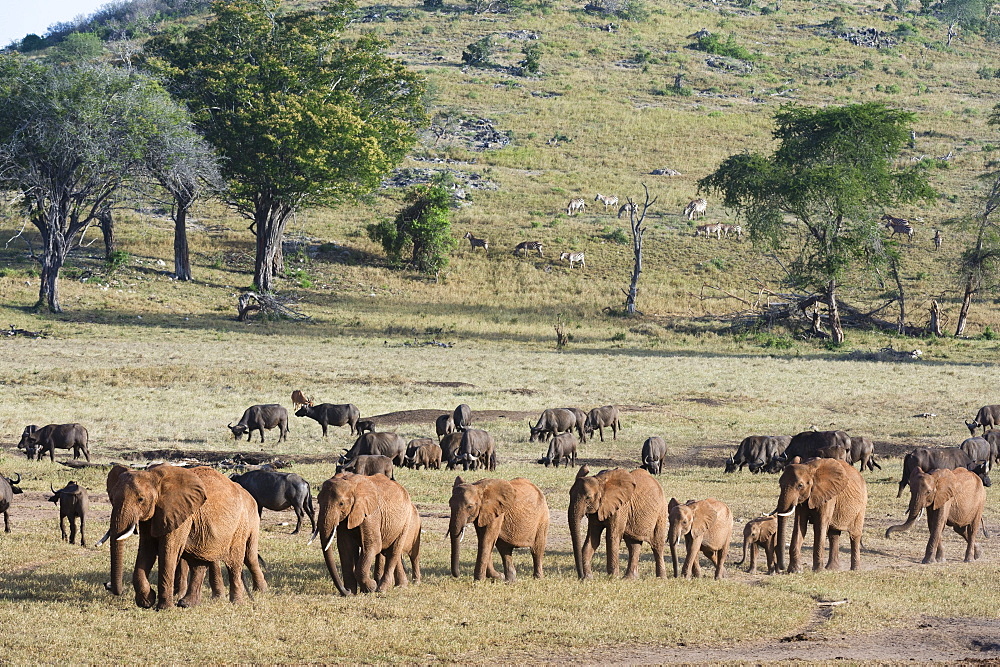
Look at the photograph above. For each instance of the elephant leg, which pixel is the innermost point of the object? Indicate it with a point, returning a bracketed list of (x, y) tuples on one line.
[(833, 537), (856, 551), (691, 566), (969, 533), (613, 539), (538, 552), (634, 550), (720, 560), (194, 581), (234, 564), (935, 525), (371, 545), (801, 521), (752, 568), (251, 558), (348, 547), (590, 546), (379, 566), (769, 556), (145, 597), (181, 580), (507, 556), (170, 553), (488, 536), (393, 572)]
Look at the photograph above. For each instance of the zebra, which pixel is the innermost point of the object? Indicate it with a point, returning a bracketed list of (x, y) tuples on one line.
[(696, 208), (575, 206), (523, 248), (937, 239), (608, 201), (574, 258), (628, 208), (726, 230), (477, 243), (898, 226), (708, 230)]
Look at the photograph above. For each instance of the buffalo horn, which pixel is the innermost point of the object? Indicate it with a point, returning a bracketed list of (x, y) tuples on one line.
[(50, 486), (18, 480), (229, 425)]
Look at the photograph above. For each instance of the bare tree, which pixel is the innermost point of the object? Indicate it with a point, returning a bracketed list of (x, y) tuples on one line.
[(636, 219), (980, 264)]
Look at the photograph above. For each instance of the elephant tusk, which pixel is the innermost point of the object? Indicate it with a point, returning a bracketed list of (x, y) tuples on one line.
[(461, 536), (128, 533), (788, 513), (105, 538), (314, 535), (330, 541)]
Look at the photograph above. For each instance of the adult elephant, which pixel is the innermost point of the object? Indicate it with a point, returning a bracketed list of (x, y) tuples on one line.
[(952, 498), (369, 516), (196, 514), (506, 515), (831, 495), (628, 504)]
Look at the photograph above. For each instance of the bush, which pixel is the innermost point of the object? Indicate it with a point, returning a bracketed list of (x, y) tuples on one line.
[(423, 228), (615, 235), (117, 261), (480, 53), (629, 10), (712, 43), (532, 58)]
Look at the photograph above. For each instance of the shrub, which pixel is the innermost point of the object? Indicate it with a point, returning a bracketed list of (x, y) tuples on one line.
[(712, 43), (118, 260), (480, 53), (532, 58), (615, 235), (423, 228)]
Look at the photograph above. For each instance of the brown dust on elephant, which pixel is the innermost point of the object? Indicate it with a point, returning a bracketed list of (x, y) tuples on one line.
[(831, 495), (184, 517), (506, 515), (707, 526), (952, 498), (628, 504), (761, 532), (371, 517)]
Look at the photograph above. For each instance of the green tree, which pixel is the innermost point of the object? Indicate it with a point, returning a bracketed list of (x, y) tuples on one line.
[(824, 186), (422, 228), (70, 138), (79, 46), (299, 116)]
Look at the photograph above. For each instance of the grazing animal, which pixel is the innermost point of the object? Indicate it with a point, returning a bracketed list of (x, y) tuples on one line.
[(654, 455), (73, 503), (987, 417), (365, 426), (937, 239), (36, 441), (328, 414), (763, 532), (608, 201), (562, 446), (598, 418), (755, 451), (559, 420), (993, 437), (708, 230), (696, 208), (299, 399), (385, 443), (813, 444), (951, 497), (422, 452), (260, 417), (444, 425), (575, 206), (279, 491), (898, 226), (8, 487), (449, 449), (941, 458), (726, 230), (477, 243), (368, 464), (978, 449), (462, 417), (524, 247), (707, 526), (574, 258), (477, 449), (863, 450), (628, 208)]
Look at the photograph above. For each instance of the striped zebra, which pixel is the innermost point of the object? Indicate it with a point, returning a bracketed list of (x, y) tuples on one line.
[(477, 243), (708, 230), (575, 206), (524, 247), (696, 208), (732, 229), (898, 226), (628, 209), (608, 201), (574, 258)]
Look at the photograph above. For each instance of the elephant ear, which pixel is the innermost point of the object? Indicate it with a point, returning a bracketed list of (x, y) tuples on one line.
[(114, 474), (704, 516), (945, 491), (179, 495), (829, 479), (365, 501), (618, 488), (496, 497)]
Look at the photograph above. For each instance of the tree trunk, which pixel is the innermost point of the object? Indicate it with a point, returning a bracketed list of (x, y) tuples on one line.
[(633, 289), (182, 260), (107, 223), (963, 314), (836, 329), (270, 230), (55, 248), (935, 324)]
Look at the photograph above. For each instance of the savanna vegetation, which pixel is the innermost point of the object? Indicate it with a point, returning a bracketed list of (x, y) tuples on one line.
[(563, 101)]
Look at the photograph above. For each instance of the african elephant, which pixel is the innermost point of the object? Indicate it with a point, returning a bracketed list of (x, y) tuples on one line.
[(506, 514), (762, 531), (707, 526), (831, 495), (951, 497), (369, 516), (194, 514), (630, 505)]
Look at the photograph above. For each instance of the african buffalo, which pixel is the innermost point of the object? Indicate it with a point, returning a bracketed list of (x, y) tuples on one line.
[(462, 417), (422, 452), (368, 464), (654, 455), (8, 487), (444, 425), (35, 441), (988, 416), (73, 504), (278, 491), (562, 446), (329, 414), (944, 458), (755, 451), (978, 449), (477, 449), (993, 437), (554, 421), (813, 444), (385, 443), (598, 418), (449, 449), (260, 417), (863, 450)]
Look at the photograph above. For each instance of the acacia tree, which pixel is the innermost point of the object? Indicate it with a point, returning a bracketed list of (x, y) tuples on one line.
[(70, 138), (826, 184), (300, 117)]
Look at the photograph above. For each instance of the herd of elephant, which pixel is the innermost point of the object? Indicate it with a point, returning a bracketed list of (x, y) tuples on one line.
[(190, 521)]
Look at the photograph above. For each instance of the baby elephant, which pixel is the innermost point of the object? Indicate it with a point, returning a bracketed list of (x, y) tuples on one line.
[(73, 502), (706, 526), (763, 532)]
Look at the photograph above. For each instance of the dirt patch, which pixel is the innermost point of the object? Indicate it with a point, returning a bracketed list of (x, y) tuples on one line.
[(392, 419), (452, 385), (200, 456)]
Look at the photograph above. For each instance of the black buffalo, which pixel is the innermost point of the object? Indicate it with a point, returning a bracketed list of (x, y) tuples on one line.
[(260, 417), (368, 464), (562, 446), (811, 445), (36, 441), (554, 421), (8, 487), (654, 455), (278, 491), (755, 451), (385, 443), (477, 449), (328, 414), (941, 458)]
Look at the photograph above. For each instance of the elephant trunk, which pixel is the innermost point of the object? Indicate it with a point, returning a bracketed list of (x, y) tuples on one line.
[(456, 529), (912, 515), (575, 517), (326, 528), (673, 556), (746, 543), (121, 526)]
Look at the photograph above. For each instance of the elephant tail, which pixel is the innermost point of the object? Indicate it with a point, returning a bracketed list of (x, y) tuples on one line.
[(262, 562), (982, 524)]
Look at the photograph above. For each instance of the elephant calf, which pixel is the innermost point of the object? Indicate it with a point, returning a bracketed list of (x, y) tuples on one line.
[(762, 532), (707, 526)]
